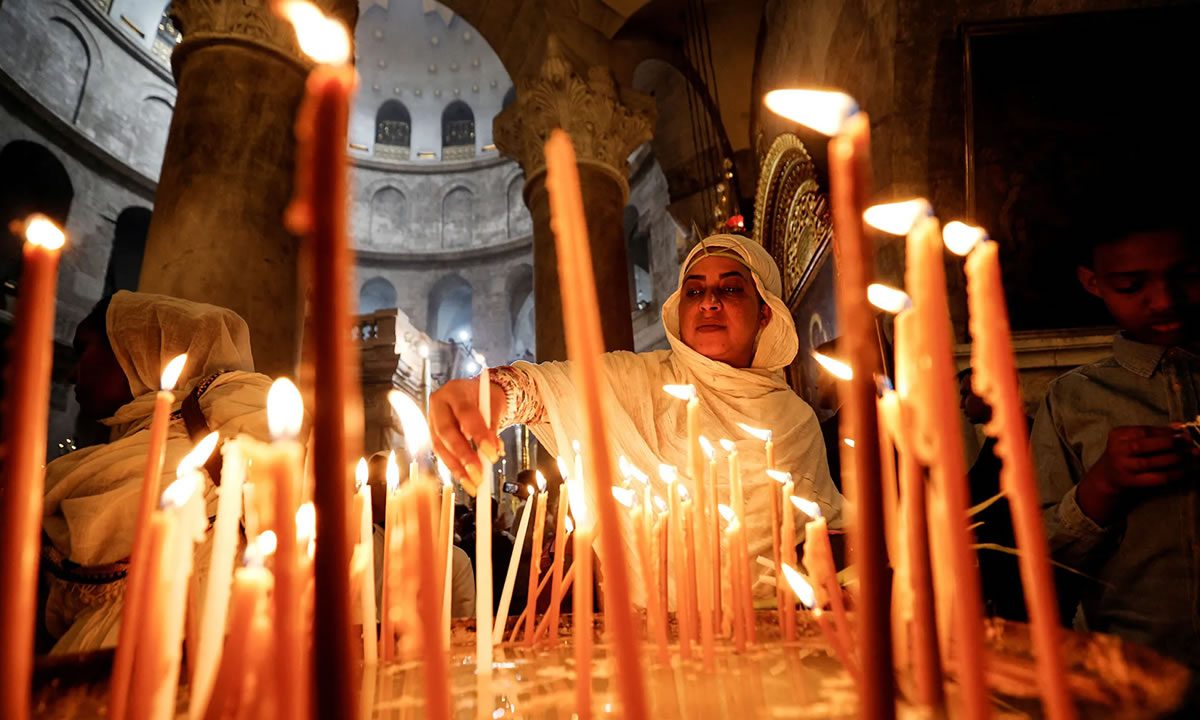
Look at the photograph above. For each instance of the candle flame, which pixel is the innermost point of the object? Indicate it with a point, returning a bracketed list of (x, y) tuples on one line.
[(888, 298), (171, 373), (360, 473), (961, 238), (568, 525), (625, 496), (44, 232), (306, 521), (683, 492), (322, 38), (682, 392), (285, 409), (633, 471), (808, 507), (563, 468), (577, 500), (198, 455), (444, 473), (266, 543), (667, 473), (849, 442), (707, 447), (780, 476), (252, 557), (423, 350), (660, 504), (833, 366), (541, 481), (392, 474), (412, 422), (800, 586), (727, 513), (179, 492), (897, 218), (758, 433), (825, 111), (576, 447), (728, 446)]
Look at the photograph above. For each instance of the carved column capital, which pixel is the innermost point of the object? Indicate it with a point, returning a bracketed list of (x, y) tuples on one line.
[(605, 123), (249, 22)]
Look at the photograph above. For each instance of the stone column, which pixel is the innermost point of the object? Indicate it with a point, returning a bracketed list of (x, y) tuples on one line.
[(606, 125), (217, 235)]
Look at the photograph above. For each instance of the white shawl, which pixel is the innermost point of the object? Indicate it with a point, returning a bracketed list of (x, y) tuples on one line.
[(649, 427)]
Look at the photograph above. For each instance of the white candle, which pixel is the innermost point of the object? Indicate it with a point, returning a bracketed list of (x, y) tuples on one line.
[(483, 540), (366, 539), (510, 579)]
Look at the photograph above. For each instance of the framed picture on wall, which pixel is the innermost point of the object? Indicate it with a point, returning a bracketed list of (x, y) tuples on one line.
[(1070, 119)]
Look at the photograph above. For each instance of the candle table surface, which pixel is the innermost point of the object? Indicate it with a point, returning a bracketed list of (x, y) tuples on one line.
[(1110, 678)]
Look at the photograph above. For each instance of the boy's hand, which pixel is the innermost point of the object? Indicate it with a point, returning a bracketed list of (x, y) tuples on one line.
[(455, 422), (1136, 457)]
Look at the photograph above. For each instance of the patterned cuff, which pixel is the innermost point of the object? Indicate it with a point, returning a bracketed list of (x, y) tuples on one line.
[(521, 403), (1074, 522)]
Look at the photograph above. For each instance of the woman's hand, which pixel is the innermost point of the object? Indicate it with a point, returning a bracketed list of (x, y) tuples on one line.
[(455, 422)]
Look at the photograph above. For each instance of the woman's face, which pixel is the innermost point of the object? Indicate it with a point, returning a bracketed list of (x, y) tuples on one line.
[(720, 312)]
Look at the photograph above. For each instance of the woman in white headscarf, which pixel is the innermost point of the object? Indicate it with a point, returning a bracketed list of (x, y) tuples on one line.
[(731, 337), (92, 494)]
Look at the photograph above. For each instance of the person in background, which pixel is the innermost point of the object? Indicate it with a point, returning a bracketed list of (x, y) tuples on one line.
[(1117, 470)]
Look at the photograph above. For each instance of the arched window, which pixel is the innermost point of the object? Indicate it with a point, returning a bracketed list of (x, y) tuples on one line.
[(393, 131), (376, 294), (389, 216), (458, 218), (458, 131), (129, 246), (31, 180), (450, 313), (520, 223)]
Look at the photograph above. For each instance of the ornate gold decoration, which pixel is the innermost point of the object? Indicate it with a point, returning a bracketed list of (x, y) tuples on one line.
[(250, 21), (791, 216), (605, 124)]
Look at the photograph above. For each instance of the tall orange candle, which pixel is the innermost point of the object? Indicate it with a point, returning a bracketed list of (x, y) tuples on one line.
[(560, 549), (788, 548), (678, 562), (159, 424), (585, 345), (433, 652), (582, 621), (25, 422), (655, 613), (366, 540), (713, 527), (248, 600), (535, 556), (319, 213), (737, 571), (995, 379), (483, 541), (387, 633), (738, 551), (940, 445)]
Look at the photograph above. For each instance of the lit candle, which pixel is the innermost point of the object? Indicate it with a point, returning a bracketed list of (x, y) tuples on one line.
[(738, 551), (585, 345), (220, 574), (251, 585), (433, 651), (282, 464), (446, 550), (678, 560), (818, 558), (174, 529), (655, 613), (939, 438), (803, 591), (514, 560), (535, 556), (159, 424), (776, 516), (366, 540), (995, 380), (737, 572), (788, 547), (560, 549), (27, 405), (713, 522), (483, 539), (390, 517), (426, 377), (319, 213)]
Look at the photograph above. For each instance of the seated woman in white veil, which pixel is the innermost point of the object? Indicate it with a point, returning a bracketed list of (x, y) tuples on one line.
[(731, 337)]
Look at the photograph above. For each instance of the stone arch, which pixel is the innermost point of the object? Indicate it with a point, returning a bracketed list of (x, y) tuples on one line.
[(32, 179), (458, 217), (393, 130), (520, 312), (520, 223), (156, 116), (458, 131), (70, 60), (389, 215), (450, 311), (376, 294), (128, 248)]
